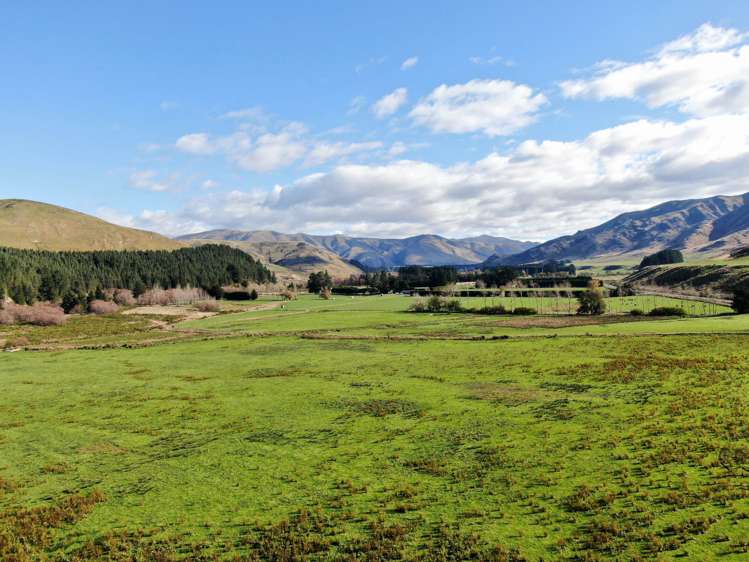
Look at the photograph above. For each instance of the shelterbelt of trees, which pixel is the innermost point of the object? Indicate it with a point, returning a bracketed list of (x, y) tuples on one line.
[(28, 276)]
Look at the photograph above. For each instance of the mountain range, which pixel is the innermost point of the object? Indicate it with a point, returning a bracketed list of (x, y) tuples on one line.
[(378, 253), (710, 227)]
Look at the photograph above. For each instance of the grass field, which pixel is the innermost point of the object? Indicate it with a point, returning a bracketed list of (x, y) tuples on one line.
[(387, 316), (298, 443)]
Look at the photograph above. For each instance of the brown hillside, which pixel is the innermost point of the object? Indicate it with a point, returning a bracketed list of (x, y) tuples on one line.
[(39, 226)]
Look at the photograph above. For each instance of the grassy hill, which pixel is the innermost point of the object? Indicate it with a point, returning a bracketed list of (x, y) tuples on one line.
[(40, 226)]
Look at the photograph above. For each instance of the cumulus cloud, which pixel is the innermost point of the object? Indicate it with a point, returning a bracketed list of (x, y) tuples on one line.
[(536, 190), (389, 104), (704, 73), (410, 62), (271, 151), (171, 224), (196, 143), (493, 107)]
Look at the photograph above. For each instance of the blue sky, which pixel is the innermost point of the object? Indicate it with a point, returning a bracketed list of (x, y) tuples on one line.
[(384, 118)]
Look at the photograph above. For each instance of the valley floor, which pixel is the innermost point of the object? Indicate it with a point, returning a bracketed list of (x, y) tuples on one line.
[(352, 430)]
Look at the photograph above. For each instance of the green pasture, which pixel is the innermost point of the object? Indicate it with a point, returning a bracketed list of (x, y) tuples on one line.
[(271, 443), (388, 316)]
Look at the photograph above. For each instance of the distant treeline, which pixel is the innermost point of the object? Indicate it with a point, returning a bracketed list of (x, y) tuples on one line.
[(407, 278), (27, 276), (418, 276), (662, 258)]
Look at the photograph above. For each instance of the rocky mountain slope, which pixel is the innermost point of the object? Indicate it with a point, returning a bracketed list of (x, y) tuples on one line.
[(710, 227)]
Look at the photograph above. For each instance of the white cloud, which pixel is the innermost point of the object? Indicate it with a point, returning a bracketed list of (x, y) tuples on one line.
[(161, 221), (536, 190), (389, 104), (209, 184), (410, 62), (147, 180), (704, 73), (494, 107), (195, 143), (706, 38), (324, 152), (271, 151)]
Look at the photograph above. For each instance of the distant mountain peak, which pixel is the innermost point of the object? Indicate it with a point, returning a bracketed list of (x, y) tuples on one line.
[(371, 252)]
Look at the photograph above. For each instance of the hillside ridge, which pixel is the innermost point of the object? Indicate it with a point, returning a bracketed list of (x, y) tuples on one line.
[(34, 225), (709, 227), (374, 253)]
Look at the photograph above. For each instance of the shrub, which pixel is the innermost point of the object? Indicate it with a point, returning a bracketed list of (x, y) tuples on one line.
[(418, 306), (436, 304), (591, 302), (253, 295), (40, 314), (155, 297), (667, 311), (6, 318), (124, 297), (162, 297), (208, 306), (498, 309), (102, 307), (636, 312), (524, 311), (453, 305), (20, 341)]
